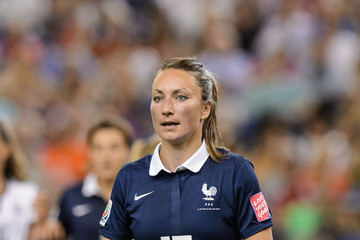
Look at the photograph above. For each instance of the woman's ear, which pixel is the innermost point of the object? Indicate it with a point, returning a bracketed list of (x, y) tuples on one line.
[(206, 109)]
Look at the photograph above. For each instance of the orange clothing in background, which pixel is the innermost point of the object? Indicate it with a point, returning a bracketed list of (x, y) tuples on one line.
[(64, 163)]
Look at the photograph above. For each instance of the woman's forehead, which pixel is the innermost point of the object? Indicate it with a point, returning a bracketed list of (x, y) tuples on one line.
[(174, 78)]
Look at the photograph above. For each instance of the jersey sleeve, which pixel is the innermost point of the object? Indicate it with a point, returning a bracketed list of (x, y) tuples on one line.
[(253, 214), (64, 212), (115, 222)]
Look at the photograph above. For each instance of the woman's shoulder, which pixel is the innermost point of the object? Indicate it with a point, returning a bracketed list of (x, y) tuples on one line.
[(22, 189), (74, 189), (233, 156), (138, 165), (130, 171), (17, 185), (235, 159)]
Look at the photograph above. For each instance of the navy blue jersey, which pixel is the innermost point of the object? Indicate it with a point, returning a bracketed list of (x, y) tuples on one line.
[(221, 201), (80, 214)]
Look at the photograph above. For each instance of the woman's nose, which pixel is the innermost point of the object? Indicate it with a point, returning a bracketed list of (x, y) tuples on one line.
[(168, 108)]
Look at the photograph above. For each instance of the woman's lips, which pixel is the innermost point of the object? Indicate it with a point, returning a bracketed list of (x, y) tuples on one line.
[(169, 123)]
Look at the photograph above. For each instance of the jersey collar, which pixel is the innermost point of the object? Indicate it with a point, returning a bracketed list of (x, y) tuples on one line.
[(90, 186), (194, 163)]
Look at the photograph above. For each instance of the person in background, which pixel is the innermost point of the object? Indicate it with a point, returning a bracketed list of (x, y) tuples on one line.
[(81, 206), (143, 146), (191, 187), (22, 206)]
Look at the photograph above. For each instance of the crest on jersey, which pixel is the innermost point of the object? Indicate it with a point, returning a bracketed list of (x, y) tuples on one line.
[(209, 204), (209, 193), (106, 214)]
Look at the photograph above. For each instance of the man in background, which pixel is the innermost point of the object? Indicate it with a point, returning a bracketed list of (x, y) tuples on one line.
[(81, 206)]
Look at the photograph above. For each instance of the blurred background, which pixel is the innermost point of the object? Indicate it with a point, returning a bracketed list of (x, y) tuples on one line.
[(290, 90)]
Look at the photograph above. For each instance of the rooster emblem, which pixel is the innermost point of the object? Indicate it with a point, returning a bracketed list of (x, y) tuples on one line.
[(209, 193)]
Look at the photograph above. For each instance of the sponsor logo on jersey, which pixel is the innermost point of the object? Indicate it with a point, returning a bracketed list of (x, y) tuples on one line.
[(138, 197), (106, 214), (81, 210), (260, 207)]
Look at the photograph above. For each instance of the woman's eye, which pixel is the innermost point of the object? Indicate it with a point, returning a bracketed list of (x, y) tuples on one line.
[(181, 98), (156, 99)]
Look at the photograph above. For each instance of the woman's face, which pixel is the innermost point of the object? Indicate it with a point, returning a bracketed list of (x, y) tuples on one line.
[(176, 108), (108, 152)]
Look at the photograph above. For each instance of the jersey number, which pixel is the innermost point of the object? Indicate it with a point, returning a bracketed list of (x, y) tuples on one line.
[(182, 237)]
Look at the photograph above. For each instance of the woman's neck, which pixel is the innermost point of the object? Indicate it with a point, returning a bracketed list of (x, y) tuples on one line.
[(173, 156)]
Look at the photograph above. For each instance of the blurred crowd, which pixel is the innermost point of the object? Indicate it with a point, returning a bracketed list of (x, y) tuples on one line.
[(290, 90)]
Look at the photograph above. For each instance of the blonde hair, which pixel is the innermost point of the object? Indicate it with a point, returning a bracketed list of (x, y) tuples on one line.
[(209, 93), (144, 146)]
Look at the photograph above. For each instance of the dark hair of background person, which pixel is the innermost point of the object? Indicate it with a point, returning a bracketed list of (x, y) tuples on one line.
[(111, 123)]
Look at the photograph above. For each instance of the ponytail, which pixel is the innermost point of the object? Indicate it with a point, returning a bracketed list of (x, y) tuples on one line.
[(210, 129)]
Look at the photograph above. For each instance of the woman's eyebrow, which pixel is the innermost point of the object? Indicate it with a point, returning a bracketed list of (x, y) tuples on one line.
[(181, 90), (174, 92), (157, 91)]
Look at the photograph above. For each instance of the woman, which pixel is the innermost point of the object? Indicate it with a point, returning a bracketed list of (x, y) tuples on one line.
[(191, 187), (109, 141), (22, 207)]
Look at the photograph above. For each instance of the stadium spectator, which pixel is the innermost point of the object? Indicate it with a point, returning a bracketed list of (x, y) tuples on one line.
[(22, 207), (81, 206)]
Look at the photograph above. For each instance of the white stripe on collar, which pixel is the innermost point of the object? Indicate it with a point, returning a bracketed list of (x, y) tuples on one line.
[(194, 163), (90, 186)]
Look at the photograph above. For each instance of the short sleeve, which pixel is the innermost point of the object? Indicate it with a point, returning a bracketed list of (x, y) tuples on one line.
[(253, 214), (115, 222), (64, 211)]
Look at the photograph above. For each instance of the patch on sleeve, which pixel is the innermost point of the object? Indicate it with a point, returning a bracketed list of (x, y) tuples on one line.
[(106, 214), (260, 207)]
